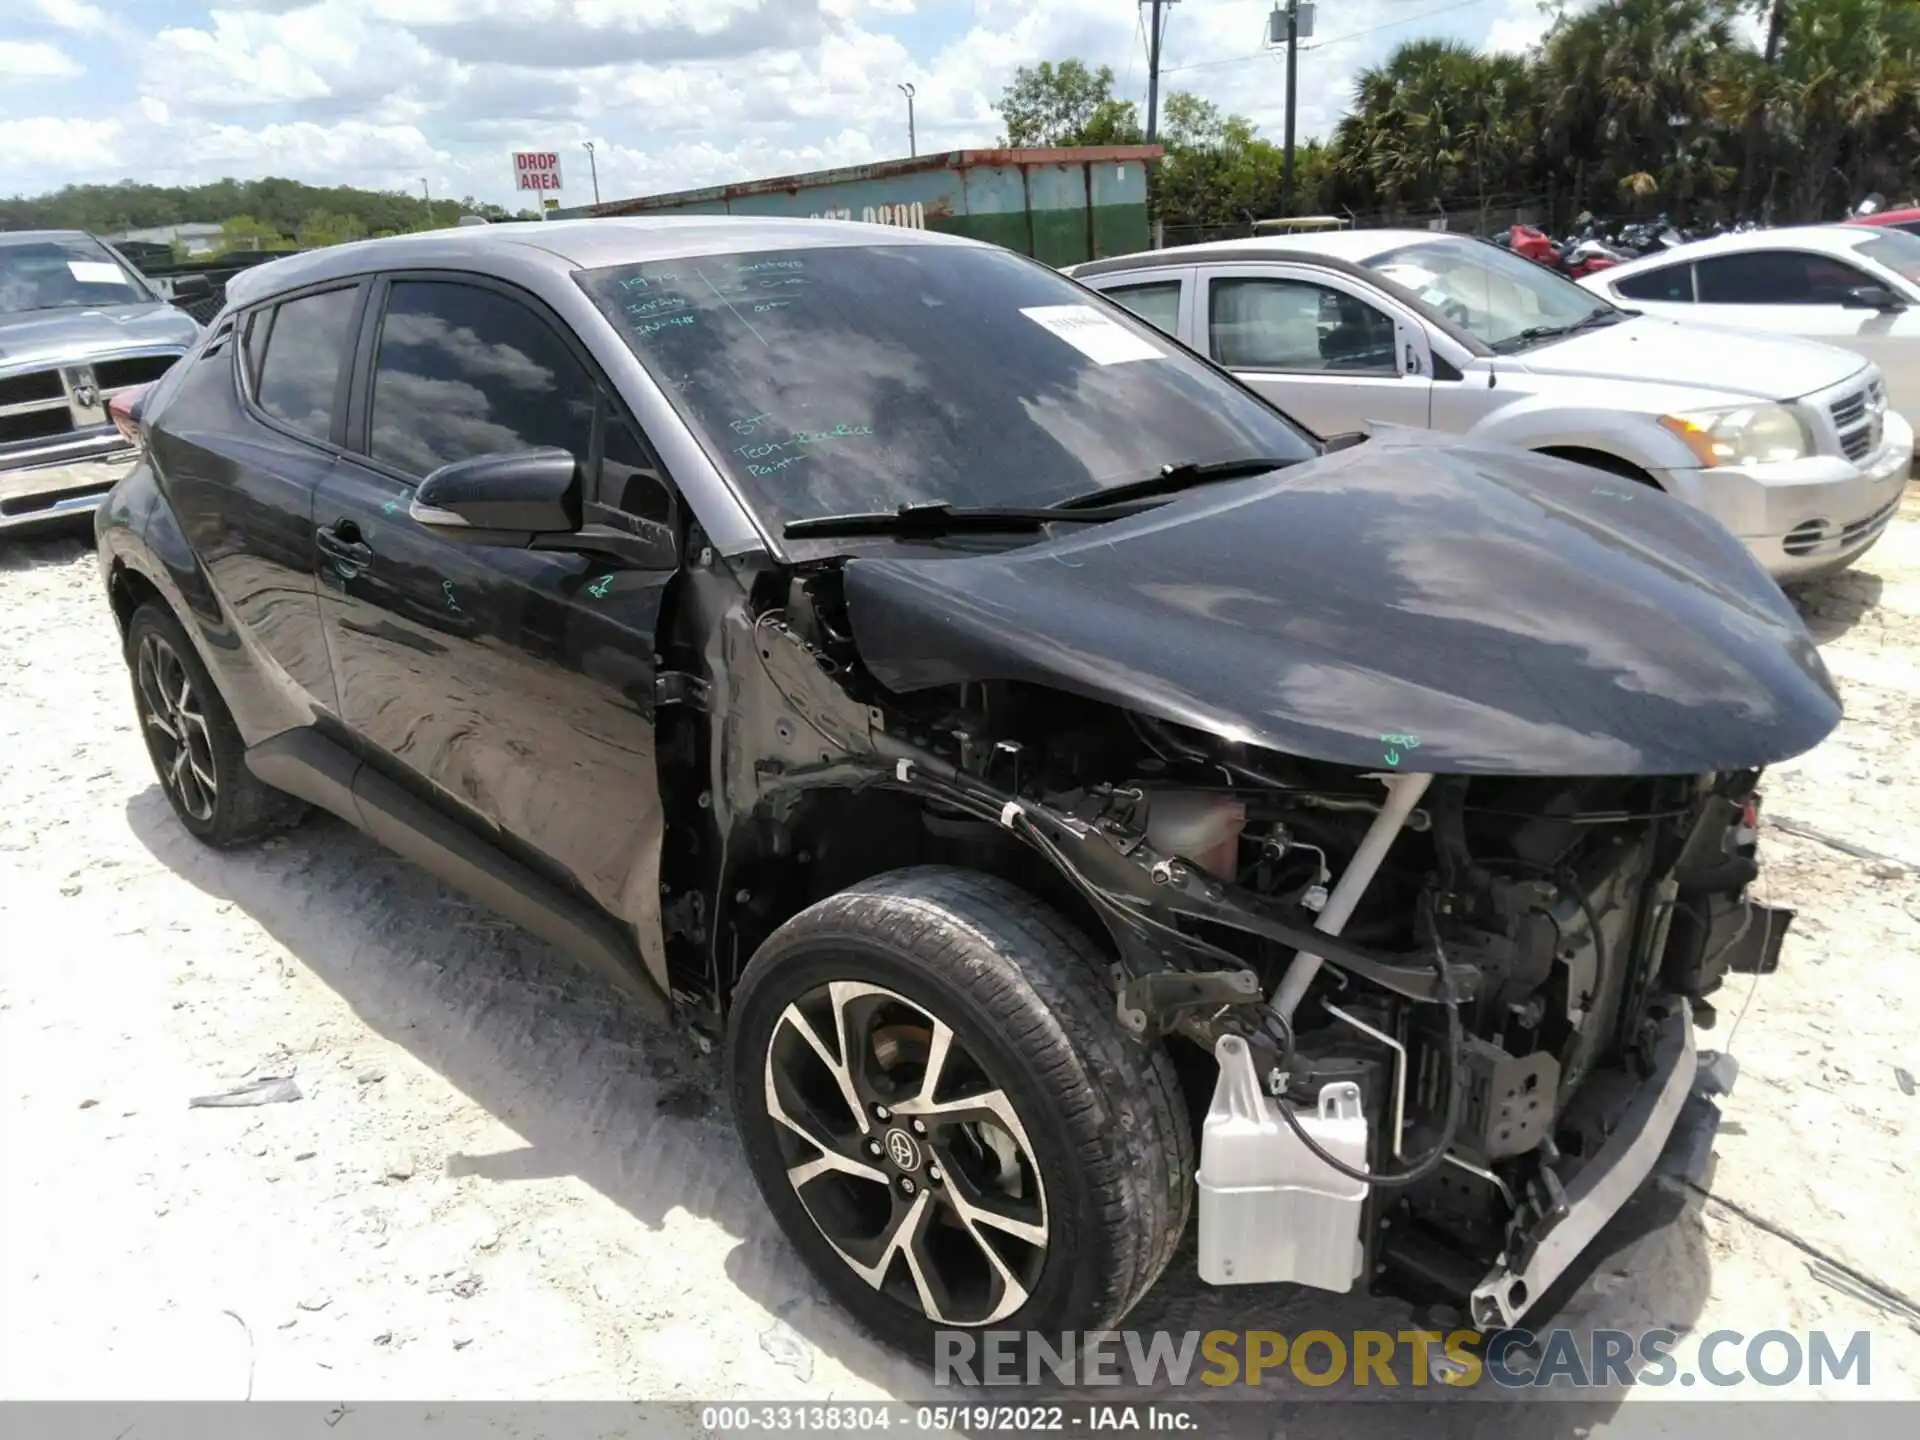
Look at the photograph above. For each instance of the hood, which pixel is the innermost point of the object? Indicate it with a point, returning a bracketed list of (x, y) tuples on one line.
[(67, 336), (1766, 367), (1422, 601)]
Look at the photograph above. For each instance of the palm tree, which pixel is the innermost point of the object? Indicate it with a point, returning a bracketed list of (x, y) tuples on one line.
[(1630, 82), (1844, 64)]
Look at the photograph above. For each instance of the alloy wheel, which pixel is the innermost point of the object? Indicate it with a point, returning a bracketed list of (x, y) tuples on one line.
[(176, 727), (906, 1153)]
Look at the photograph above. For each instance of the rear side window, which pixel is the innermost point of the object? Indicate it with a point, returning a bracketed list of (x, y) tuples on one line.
[(300, 367), (1776, 277), (1670, 283), (463, 371), (1157, 304)]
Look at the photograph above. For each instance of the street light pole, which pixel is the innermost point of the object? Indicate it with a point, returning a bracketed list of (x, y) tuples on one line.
[(595, 169), (913, 143)]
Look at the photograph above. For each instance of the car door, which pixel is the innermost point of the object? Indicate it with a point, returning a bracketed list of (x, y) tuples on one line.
[(251, 434), (1327, 348), (1801, 292), (1165, 301), (515, 687)]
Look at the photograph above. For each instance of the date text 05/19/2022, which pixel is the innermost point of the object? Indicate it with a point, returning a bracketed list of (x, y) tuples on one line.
[(740, 1419)]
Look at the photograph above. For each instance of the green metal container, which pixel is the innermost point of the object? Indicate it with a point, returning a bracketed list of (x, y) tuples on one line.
[(1059, 206)]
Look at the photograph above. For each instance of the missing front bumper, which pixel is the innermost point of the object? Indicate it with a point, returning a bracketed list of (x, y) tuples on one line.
[(1604, 1185)]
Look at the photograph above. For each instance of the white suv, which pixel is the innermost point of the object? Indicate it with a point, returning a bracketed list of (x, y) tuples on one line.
[(1788, 443)]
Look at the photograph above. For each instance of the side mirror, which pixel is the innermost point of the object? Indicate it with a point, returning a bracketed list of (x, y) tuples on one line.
[(191, 287), (1872, 297), (516, 499)]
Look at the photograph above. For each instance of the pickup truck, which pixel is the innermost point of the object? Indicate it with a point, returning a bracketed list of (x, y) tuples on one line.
[(78, 325)]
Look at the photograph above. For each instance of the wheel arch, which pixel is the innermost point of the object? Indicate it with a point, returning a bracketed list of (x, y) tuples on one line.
[(127, 591), (1601, 460), (780, 860)]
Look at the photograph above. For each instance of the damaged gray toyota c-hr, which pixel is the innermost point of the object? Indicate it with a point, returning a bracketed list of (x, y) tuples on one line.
[(1022, 746)]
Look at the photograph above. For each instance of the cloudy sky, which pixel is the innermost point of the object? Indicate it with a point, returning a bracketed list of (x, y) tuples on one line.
[(673, 93)]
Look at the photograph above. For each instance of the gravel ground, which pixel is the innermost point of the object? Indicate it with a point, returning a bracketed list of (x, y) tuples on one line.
[(498, 1183)]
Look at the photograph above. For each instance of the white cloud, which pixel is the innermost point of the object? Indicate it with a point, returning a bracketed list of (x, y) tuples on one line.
[(35, 60), (94, 143), (1520, 24), (674, 93), (72, 14)]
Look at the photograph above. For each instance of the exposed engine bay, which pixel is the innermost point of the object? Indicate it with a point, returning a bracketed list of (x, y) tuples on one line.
[(1458, 999)]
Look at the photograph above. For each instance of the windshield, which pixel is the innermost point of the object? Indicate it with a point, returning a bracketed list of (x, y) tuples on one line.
[(854, 378), (53, 274), (1492, 293), (1895, 249)]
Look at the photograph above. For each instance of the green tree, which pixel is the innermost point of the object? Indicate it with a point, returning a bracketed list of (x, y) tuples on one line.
[(1845, 66), (1643, 105), (244, 232), (1066, 104), (277, 207), (1631, 86), (327, 227), (1218, 171)]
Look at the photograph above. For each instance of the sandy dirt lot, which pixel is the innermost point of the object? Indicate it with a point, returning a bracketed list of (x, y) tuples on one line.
[(497, 1182)]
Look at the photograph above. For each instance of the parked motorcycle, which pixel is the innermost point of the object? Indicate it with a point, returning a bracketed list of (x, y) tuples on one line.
[(1574, 257)]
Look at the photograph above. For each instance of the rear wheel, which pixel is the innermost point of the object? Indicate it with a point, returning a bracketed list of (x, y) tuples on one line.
[(196, 750), (944, 1116)]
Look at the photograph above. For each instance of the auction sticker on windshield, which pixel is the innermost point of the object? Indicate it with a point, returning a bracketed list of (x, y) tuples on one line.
[(1094, 335), (95, 272)]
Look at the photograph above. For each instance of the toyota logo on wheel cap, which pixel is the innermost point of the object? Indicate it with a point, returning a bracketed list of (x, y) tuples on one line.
[(903, 1150)]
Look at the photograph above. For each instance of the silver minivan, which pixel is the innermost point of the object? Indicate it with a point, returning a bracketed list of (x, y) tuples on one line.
[(1786, 442)]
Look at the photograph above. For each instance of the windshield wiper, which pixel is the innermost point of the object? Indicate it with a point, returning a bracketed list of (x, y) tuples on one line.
[(937, 517), (1172, 478), (1115, 502), (1593, 320)]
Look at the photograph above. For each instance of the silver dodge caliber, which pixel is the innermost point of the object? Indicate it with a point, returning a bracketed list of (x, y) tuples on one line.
[(1788, 443)]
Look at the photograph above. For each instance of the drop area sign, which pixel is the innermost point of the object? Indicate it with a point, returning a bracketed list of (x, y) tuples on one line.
[(536, 170)]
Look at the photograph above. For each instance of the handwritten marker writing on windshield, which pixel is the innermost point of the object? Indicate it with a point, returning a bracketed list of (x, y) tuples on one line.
[(600, 587)]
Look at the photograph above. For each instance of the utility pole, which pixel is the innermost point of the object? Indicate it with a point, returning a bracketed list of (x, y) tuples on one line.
[(1156, 27), (913, 143), (427, 195), (595, 169), (1292, 26)]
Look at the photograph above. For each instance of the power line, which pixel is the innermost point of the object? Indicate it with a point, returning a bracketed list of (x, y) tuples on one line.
[(1390, 24), (1140, 32), (1223, 60)]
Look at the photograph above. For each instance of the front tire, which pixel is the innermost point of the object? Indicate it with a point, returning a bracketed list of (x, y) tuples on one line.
[(945, 1117), (196, 749)]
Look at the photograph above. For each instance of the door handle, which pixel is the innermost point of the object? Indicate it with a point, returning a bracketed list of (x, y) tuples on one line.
[(343, 542)]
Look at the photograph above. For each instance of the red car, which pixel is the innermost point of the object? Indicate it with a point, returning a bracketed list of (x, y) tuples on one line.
[(1907, 219)]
